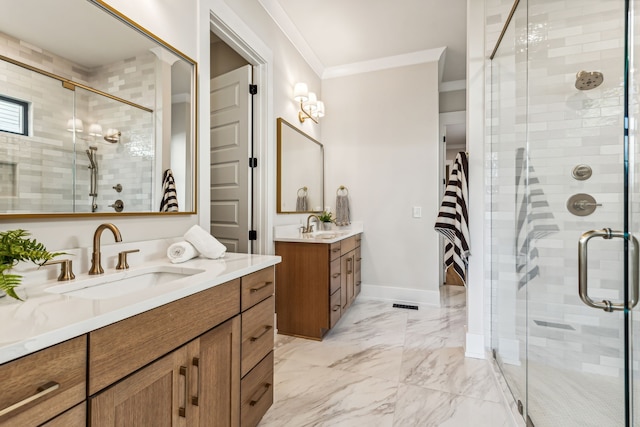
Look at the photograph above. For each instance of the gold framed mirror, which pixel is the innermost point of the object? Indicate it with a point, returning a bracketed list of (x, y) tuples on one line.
[(99, 110), (300, 174)]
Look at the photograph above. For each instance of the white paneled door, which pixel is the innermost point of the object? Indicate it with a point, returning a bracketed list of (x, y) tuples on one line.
[(229, 158)]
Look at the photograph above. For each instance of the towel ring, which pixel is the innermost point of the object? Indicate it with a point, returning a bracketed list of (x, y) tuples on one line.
[(304, 191), (342, 188)]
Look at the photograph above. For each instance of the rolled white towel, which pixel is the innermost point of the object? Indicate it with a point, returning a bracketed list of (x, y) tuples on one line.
[(205, 243), (181, 252)]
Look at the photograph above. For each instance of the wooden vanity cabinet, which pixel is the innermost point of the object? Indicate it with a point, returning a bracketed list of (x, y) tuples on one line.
[(196, 380), (193, 385), (316, 284), (38, 387)]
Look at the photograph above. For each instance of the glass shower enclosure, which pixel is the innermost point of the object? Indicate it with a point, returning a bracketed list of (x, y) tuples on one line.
[(564, 211)]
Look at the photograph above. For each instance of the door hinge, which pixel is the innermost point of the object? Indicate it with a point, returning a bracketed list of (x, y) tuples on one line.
[(253, 89), (253, 162), (253, 235)]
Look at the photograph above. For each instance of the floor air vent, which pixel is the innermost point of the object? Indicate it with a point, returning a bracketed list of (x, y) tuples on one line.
[(407, 306)]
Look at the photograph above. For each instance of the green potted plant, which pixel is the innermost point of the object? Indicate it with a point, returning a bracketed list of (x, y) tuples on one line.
[(326, 218), (16, 247)]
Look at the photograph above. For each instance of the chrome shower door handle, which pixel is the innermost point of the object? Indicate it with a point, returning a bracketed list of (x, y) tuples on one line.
[(606, 305)]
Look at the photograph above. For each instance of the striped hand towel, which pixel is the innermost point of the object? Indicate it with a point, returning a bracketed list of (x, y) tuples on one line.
[(534, 219), (169, 202), (453, 218)]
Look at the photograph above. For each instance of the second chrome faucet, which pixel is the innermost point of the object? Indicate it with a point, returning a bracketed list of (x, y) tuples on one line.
[(96, 267)]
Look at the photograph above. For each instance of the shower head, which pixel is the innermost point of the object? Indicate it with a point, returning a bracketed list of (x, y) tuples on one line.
[(586, 80)]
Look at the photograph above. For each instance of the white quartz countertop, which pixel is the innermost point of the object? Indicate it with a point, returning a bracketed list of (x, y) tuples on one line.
[(292, 233), (46, 318)]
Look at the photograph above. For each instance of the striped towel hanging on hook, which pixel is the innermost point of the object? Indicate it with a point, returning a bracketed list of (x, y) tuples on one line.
[(169, 202), (453, 218)]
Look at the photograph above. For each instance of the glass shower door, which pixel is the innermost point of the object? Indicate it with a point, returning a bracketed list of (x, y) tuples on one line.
[(559, 173)]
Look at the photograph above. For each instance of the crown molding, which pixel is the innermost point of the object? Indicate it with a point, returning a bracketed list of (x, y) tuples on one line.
[(291, 32), (419, 57)]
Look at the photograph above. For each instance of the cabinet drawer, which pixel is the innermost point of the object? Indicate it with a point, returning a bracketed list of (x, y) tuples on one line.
[(123, 347), (335, 308), (76, 417), (334, 276), (347, 245), (334, 250), (257, 392), (256, 287), (257, 333), (56, 374), (358, 240)]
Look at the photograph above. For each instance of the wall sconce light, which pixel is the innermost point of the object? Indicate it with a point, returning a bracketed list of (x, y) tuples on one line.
[(112, 136), (95, 130), (310, 106), (75, 125)]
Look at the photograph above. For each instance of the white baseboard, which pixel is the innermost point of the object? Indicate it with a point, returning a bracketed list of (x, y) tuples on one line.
[(474, 346), (401, 295), (509, 351)]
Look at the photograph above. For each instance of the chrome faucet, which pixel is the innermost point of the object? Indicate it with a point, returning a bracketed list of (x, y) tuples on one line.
[(96, 268), (309, 228)]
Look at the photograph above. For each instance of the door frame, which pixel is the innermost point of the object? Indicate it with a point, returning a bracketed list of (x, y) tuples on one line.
[(224, 23), (445, 119)]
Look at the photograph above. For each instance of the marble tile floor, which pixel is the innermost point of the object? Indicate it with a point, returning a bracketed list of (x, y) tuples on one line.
[(385, 366)]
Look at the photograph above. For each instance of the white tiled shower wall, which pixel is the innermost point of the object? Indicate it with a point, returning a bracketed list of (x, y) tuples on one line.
[(540, 109), (47, 163)]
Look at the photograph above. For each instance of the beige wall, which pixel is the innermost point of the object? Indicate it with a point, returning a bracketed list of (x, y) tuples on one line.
[(453, 101), (381, 133), (223, 59)]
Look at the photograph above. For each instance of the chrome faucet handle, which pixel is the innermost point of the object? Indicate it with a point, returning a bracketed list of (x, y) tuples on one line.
[(122, 259), (66, 269)]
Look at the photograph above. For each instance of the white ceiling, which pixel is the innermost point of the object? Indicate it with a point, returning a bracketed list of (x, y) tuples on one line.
[(341, 32)]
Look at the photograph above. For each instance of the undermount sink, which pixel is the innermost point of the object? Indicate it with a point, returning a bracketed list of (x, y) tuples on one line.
[(327, 234), (123, 282)]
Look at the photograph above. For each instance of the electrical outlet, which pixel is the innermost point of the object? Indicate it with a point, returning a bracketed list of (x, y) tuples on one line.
[(417, 212)]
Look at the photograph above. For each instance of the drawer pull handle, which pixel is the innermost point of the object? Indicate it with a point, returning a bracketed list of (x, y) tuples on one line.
[(359, 259), (255, 401), (195, 362), (259, 288), (267, 328), (42, 391), (335, 250), (182, 410), (336, 307), (336, 275)]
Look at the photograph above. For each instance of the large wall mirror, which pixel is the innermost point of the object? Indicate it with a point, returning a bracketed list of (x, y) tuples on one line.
[(300, 171), (94, 112)]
